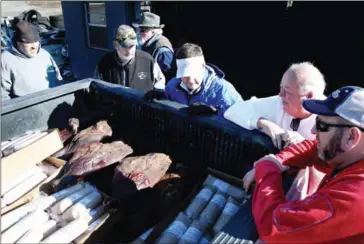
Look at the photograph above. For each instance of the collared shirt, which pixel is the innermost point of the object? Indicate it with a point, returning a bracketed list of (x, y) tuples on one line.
[(247, 113)]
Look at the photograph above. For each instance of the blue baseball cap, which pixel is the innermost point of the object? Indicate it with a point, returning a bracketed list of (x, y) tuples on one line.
[(346, 102)]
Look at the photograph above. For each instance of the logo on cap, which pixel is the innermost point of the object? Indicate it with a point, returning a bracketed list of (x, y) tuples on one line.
[(336, 94)]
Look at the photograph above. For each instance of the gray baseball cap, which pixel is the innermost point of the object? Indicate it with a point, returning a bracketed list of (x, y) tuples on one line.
[(346, 102)]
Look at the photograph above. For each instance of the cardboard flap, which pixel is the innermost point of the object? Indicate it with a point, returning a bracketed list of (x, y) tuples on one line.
[(20, 161)]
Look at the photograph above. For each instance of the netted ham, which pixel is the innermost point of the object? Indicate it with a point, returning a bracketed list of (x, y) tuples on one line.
[(93, 133), (136, 173)]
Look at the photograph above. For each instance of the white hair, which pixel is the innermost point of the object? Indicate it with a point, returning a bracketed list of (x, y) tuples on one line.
[(309, 78)]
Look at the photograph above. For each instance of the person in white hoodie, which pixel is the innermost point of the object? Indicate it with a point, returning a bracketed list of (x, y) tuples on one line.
[(25, 66), (278, 114)]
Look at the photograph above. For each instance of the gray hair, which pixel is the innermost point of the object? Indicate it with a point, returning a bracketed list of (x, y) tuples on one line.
[(309, 78)]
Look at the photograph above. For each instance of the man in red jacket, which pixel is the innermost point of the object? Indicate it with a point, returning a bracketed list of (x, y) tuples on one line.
[(333, 211)]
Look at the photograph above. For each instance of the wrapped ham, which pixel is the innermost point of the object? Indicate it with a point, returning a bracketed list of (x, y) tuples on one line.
[(136, 173)]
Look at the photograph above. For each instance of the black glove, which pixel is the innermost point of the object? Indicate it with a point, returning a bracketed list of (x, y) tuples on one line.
[(154, 94), (201, 109)]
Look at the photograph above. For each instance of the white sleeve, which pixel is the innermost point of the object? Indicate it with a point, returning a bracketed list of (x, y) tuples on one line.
[(6, 80), (247, 113), (160, 80)]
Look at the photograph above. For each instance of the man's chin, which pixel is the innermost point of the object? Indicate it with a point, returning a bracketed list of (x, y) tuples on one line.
[(32, 55)]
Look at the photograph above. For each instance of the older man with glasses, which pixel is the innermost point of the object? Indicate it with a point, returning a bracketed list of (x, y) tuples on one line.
[(333, 211), (283, 118), (152, 41), (283, 112), (128, 66)]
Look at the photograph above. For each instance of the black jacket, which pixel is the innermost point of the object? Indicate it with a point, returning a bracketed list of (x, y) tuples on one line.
[(137, 74)]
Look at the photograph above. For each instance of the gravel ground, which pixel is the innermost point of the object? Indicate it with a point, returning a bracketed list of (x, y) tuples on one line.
[(45, 8)]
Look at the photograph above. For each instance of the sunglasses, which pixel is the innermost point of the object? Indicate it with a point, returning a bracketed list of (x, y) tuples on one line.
[(325, 127), (143, 29)]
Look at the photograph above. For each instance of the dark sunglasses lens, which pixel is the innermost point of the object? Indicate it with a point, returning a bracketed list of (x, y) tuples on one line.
[(321, 126), (144, 29)]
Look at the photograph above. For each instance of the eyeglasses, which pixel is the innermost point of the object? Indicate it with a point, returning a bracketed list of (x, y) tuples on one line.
[(325, 127), (144, 29), (286, 93)]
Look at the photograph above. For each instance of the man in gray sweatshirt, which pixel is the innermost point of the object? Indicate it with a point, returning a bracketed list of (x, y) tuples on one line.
[(25, 66)]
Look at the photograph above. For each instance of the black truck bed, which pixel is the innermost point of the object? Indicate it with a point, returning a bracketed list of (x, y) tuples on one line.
[(159, 126)]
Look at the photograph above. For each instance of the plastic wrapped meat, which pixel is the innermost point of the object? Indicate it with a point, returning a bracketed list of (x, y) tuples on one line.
[(199, 202), (93, 133), (71, 130), (175, 230), (90, 158), (230, 209), (194, 233), (99, 156), (136, 173), (213, 209), (220, 185)]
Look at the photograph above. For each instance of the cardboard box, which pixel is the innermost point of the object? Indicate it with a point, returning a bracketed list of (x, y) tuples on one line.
[(32, 194), (20, 161)]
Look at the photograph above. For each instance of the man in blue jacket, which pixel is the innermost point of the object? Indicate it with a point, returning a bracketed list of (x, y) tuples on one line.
[(152, 41), (198, 85)]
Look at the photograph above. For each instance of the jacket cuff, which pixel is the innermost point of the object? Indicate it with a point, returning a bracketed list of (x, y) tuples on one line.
[(274, 159), (253, 122)]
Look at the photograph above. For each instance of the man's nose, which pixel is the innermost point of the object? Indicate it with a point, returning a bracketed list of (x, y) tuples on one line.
[(314, 130), (281, 93)]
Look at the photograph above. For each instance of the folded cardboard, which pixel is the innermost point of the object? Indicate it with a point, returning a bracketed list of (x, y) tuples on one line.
[(20, 161), (32, 194)]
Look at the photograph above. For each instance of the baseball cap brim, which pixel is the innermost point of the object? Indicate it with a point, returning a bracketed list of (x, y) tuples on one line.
[(319, 107), (186, 70), (137, 25), (128, 43)]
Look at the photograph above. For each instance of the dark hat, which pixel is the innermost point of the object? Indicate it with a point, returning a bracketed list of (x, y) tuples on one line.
[(150, 20), (26, 32), (346, 102)]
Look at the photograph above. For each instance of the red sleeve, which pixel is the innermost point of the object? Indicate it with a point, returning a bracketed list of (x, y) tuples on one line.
[(301, 155), (318, 218)]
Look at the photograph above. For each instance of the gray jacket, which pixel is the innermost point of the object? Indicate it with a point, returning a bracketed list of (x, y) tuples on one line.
[(21, 75)]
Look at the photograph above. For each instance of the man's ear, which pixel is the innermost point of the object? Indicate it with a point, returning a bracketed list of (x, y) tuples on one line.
[(204, 65), (353, 138)]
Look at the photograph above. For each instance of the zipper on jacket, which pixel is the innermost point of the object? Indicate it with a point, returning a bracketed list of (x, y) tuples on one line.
[(123, 74), (189, 96)]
